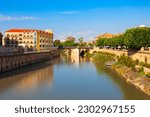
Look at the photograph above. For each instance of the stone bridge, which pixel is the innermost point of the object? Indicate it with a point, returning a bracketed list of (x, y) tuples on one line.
[(77, 51), (141, 55)]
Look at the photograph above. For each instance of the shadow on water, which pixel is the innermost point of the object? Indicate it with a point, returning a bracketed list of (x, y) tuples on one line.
[(29, 68), (129, 91), (28, 77)]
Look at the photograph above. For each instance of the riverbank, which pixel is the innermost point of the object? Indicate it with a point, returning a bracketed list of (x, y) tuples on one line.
[(125, 67), (140, 82)]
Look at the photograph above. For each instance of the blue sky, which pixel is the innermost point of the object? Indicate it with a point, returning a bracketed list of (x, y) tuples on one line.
[(80, 18)]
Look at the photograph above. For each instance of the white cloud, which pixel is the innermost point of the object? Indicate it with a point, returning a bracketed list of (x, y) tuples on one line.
[(69, 12), (10, 18)]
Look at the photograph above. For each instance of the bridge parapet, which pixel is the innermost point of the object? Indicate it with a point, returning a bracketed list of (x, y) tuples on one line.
[(77, 47)]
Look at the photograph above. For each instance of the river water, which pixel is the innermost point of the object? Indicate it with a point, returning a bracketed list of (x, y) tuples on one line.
[(66, 78)]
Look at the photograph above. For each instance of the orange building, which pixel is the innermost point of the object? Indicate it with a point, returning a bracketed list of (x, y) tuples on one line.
[(36, 39), (107, 35)]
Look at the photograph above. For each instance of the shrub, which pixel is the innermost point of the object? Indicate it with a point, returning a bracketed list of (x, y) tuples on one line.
[(148, 75), (102, 57), (126, 61)]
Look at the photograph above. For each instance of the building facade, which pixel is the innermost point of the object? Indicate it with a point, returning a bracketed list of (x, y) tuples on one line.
[(35, 39), (1, 36), (107, 35)]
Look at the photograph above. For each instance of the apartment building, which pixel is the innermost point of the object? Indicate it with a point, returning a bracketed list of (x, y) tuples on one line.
[(108, 35), (36, 39), (1, 36)]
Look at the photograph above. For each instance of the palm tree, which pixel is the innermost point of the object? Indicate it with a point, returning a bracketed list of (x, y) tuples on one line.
[(81, 40)]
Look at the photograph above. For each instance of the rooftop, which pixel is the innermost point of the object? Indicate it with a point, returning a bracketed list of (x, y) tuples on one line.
[(28, 30)]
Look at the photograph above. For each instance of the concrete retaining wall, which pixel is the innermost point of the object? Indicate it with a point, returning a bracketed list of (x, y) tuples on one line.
[(142, 56), (10, 62)]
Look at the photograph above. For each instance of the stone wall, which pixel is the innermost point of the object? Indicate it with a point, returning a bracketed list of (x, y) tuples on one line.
[(142, 56), (10, 62)]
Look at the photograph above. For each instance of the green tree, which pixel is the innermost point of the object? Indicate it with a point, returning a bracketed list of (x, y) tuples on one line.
[(57, 43), (81, 40), (111, 42), (136, 38), (69, 43), (90, 44), (100, 42)]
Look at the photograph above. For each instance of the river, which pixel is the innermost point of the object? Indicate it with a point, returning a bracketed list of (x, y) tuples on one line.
[(66, 78)]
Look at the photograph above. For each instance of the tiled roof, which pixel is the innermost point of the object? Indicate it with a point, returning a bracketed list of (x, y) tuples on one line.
[(15, 30), (26, 30)]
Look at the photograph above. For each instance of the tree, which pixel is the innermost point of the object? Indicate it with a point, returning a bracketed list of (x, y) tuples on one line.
[(111, 42), (69, 43), (57, 43), (136, 38), (90, 44), (70, 38), (81, 43), (81, 40), (100, 42)]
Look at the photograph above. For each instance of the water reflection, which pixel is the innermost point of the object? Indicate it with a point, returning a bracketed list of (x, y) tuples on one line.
[(68, 77), (29, 77), (128, 90), (75, 60)]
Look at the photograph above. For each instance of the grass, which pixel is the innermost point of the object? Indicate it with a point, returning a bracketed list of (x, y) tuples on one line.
[(87, 54), (126, 61), (103, 57), (144, 64), (141, 71)]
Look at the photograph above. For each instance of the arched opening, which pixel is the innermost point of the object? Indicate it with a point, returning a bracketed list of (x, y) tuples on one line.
[(82, 53)]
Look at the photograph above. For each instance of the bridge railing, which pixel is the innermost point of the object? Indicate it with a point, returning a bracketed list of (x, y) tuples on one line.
[(6, 51), (77, 47)]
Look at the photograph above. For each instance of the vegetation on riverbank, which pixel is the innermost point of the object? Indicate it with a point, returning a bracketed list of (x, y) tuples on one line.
[(133, 39), (103, 57), (126, 67), (126, 61)]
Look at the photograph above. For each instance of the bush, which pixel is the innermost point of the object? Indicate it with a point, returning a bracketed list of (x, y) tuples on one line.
[(148, 75), (144, 64), (102, 57), (126, 61)]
